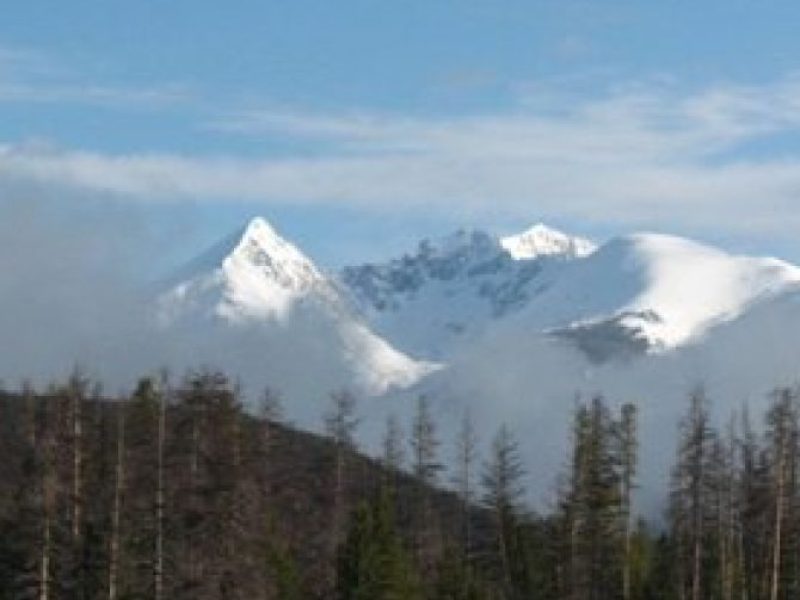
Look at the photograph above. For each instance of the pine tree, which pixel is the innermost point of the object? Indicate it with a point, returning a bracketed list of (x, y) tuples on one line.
[(76, 390), (753, 491), (205, 500), (627, 450), (393, 455), (21, 525), (373, 564), (594, 506), (464, 478), (782, 447), (690, 510), (340, 426), (457, 579), (502, 482), (425, 445), (139, 530), (425, 468)]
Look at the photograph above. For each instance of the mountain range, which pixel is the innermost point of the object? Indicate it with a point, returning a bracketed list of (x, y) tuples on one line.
[(509, 328)]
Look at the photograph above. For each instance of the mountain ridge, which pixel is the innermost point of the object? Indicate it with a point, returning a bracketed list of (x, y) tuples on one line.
[(258, 291)]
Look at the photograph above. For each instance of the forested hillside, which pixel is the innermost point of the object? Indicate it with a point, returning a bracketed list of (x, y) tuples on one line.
[(176, 492)]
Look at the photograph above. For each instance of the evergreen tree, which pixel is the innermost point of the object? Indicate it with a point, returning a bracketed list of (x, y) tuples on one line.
[(457, 579), (627, 451), (373, 564), (502, 482), (690, 509), (425, 468), (782, 436), (340, 426), (393, 455), (465, 476), (594, 506)]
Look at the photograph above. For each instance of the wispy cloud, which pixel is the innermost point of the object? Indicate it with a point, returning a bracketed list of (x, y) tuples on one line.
[(32, 77), (642, 154)]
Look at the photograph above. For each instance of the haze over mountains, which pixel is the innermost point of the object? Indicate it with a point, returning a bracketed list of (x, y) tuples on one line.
[(509, 328)]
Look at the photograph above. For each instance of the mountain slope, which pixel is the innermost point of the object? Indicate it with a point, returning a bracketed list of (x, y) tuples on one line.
[(263, 305), (254, 275), (661, 291), (448, 291)]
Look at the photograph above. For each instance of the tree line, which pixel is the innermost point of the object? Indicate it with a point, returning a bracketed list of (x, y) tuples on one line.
[(177, 492)]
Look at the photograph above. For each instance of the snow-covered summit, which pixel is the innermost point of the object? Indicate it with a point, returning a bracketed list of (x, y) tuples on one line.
[(664, 291), (541, 240), (258, 290), (254, 274)]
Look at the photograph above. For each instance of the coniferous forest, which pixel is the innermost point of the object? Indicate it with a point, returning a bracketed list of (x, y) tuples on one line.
[(178, 493)]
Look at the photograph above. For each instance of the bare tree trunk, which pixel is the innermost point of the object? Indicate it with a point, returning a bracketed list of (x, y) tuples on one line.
[(338, 498), (48, 501), (628, 455), (30, 417), (467, 452), (44, 574), (626, 564), (698, 478), (722, 534), (77, 463), (697, 564), (504, 558), (158, 565), (779, 508), (113, 568)]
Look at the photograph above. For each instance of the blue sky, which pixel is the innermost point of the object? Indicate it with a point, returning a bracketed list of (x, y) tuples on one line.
[(360, 126)]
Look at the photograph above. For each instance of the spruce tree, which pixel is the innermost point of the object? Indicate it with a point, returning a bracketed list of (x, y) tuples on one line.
[(690, 509), (503, 494), (594, 506), (373, 564), (465, 477), (425, 468)]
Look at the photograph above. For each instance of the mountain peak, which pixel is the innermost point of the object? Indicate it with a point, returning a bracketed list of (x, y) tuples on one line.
[(541, 240), (254, 273), (259, 227), (257, 233), (259, 245)]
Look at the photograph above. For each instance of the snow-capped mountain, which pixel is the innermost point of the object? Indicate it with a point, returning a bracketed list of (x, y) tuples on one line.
[(635, 294), (448, 291), (257, 301), (255, 275), (652, 292), (541, 240)]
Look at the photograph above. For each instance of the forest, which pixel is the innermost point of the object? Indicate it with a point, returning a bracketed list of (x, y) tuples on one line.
[(177, 492)]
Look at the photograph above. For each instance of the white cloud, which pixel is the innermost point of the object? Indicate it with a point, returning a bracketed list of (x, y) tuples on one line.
[(641, 155), (91, 95), (32, 77)]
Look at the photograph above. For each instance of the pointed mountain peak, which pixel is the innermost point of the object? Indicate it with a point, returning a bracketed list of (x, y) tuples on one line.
[(252, 273), (541, 240), (260, 249), (258, 232), (259, 244), (259, 227)]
